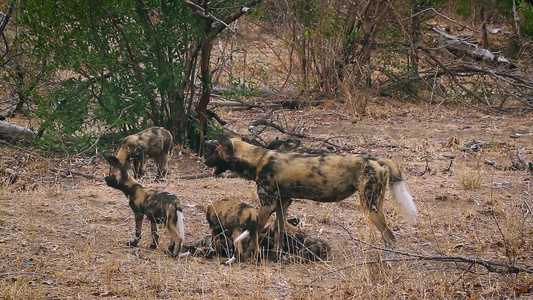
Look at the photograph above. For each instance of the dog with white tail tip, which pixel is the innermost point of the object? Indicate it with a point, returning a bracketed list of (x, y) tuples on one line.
[(236, 224), (324, 177), (158, 206)]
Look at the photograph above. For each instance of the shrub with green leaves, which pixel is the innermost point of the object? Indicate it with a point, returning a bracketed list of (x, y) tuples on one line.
[(527, 11), (131, 62)]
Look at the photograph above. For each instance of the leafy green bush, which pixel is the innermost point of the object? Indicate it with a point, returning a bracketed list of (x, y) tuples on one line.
[(527, 11)]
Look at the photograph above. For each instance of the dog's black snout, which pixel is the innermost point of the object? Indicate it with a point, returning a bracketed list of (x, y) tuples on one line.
[(111, 181)]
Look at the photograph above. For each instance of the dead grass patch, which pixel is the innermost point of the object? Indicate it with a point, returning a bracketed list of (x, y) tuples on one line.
[(65, 239)]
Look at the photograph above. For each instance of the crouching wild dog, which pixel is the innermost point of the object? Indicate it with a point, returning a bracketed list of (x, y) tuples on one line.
[(281, 176), (154, 142), (237, 223), (159, 207)]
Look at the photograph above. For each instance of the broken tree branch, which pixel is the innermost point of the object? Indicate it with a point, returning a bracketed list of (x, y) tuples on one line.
[(11, 132), (464, 47), (500, 267), (70, 172)]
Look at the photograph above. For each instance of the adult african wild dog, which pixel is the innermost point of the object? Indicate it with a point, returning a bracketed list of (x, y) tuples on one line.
[(154, 142), (281, 176), (233, 222), (158, 207)]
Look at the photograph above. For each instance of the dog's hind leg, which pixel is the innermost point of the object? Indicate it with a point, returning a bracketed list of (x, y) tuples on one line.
[(253, 247), (155, 235), (162, 165), (281, 222), (378, 218), (372, 188), (236, 249), (176, 239)]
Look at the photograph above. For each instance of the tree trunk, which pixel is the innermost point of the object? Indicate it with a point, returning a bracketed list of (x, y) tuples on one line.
[(205, 74)]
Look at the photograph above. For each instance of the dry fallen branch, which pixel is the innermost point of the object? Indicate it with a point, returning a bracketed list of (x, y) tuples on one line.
[(278, 127), (501, 267), (496, 165), (463, 47), (11, 132), (206, 175), (69, 172)]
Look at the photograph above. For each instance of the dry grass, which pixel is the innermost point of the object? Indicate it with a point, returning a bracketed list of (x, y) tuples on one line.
[(63, 237)]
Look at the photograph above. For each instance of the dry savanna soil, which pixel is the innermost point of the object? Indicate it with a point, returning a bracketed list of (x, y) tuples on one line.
[(62, 236)]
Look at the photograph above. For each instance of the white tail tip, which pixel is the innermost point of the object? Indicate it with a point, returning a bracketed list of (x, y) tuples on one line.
[(230, 261), (405, 201), (243, 235), (181, 226)]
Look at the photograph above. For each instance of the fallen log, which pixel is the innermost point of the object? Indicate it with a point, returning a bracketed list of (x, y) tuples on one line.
[(11, 132), (464, 47)]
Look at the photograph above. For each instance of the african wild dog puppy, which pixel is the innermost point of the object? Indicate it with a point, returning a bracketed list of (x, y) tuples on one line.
[(298, 243), (205, 247), (281, 176), (233, 222), (154, 142), (158, 207)]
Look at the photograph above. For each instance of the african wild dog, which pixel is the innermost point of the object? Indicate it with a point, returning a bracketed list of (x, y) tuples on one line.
[(298, 243), (154, 142), (287, 144), (158, 207), (294, 146), (281, 176), (233, 222)]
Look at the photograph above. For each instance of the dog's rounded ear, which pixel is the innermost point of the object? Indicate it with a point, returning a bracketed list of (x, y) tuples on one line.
[(113, 161), (226, 142)]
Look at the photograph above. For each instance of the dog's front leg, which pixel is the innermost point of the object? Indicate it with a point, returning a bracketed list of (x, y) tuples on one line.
[(268, 203), (155, 235), (138, 226)]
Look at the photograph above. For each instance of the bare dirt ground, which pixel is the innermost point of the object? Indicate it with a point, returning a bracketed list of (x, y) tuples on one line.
[(62, 237)]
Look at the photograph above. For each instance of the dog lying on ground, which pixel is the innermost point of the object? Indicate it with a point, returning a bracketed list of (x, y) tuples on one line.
[(281, 176), (236, 223), (159, 207), (154, 142), (299, 243)]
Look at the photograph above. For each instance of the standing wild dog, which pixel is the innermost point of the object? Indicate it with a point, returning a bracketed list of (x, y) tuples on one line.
[(154, 142), (281, 176), (234, 221), (159, 207)]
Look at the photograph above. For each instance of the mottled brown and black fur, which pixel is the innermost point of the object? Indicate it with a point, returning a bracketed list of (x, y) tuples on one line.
[(298, 243), (158, 207), (233, 222), (293, 146), (154, 142), (281, 176)]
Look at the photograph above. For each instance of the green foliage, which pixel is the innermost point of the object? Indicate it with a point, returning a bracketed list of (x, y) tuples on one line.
[(122, 62), (52, 143), (527, 11), (130, 57), (242, 88)]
